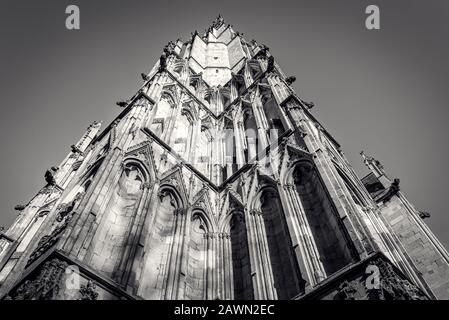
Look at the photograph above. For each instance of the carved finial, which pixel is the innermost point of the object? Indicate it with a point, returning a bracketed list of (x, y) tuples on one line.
[(372, 162), (218, 22)]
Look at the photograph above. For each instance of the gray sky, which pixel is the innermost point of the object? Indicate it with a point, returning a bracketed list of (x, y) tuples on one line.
[(383, 91)]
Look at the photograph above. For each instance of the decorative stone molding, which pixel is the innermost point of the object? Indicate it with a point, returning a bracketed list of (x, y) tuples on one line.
[(88, 291), (45, 286), (46, 242)]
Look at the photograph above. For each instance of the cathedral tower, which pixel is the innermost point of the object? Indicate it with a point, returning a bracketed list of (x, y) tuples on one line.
[(217, 182)]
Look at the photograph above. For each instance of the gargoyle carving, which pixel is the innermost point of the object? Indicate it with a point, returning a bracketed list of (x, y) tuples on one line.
[(144, 77), (424, 214), (122, 103), (290, 80), (50, 176)]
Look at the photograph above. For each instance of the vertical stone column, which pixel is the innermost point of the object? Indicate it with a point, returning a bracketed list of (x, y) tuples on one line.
[(306, 251), (260, 260), (176, 255)]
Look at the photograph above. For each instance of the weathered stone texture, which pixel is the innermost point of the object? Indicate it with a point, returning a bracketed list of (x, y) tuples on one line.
[(216, 182)]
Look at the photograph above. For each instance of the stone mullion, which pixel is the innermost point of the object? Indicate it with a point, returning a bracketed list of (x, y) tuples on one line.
[(308, 256), (266, 260), (255, 259)]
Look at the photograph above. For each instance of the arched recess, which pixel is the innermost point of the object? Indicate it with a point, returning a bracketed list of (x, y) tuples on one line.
[(327, 230), (236, 258), (162, 115), (198, 260), (279, 276), (182, 135), (161, 272), (110, 241)]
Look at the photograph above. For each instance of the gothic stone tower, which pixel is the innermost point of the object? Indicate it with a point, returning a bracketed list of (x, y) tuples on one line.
[(217, 182)]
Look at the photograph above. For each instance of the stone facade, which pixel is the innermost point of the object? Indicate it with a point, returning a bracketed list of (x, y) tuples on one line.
[(217, 182)]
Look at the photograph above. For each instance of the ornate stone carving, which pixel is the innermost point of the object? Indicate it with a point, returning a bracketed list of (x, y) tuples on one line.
[(50, 176), (66, 208), (46, 242), (346, 291), (45, 286), (88, 291), (392, 286)]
